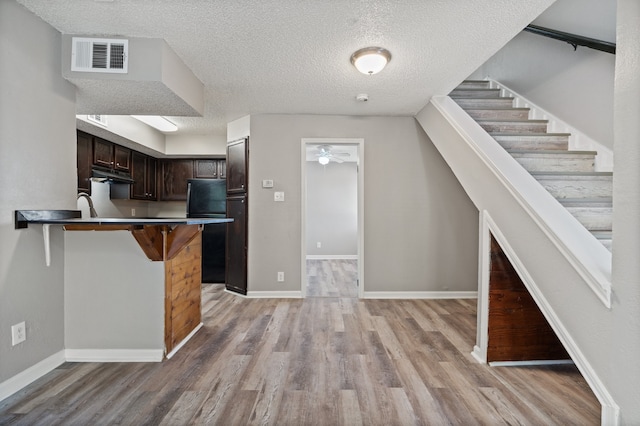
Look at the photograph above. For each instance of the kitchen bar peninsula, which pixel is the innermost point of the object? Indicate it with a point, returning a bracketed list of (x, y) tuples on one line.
[(116, 306)]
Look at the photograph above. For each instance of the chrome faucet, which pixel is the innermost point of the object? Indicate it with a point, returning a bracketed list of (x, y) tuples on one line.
[(92, 211)]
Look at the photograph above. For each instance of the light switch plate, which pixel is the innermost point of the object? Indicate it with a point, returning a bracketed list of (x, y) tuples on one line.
[(278, 196), (267, 183)]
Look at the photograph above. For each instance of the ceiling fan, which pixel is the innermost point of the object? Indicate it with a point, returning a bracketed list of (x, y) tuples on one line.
[(326, 153)]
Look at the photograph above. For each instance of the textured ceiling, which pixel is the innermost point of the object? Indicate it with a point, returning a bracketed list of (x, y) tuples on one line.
[(292, 56)]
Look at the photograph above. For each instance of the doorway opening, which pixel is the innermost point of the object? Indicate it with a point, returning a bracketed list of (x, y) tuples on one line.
[(332, 217)]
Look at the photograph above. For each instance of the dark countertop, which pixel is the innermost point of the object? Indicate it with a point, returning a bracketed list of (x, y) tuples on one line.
[(72, 217)]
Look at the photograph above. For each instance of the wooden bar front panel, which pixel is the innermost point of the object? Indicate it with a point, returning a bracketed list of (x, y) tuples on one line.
[(182, 292), (518, 331)]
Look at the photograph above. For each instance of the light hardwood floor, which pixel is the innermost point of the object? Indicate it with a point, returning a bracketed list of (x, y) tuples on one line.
[(332, 278), (316, 361)]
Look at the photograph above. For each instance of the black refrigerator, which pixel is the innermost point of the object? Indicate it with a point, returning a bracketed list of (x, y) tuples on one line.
[(207, 198)]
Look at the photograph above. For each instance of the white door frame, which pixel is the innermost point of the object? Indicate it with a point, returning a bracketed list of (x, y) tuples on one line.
[(359, 142)]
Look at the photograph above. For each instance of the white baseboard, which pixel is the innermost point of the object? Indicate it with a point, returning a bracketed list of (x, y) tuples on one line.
[(114, 355), (274, 294), (332, 256), (31, 374), (184, 341), (420, 295), (478, 355), (529, 363)]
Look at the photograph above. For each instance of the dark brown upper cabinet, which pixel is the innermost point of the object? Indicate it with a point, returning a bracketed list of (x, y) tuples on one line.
[(143, 172), (109, 155), (174, 174), (237, 158), (210, 168), (84, 159)]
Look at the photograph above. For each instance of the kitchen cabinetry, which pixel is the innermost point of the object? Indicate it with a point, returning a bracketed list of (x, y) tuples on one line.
[(174, 175), (236, 263), (143, 172), (84, 159), (238, 210), (210, 168), (237, 155), (109, 155)]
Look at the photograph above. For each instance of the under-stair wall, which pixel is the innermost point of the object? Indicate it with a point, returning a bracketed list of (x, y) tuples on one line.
[(564, 267)]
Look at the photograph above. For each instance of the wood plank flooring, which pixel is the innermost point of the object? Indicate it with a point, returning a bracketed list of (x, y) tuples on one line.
[(315, 361), (332, 278)]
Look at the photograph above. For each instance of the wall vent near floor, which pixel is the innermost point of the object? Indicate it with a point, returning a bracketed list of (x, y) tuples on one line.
[(99, 55)]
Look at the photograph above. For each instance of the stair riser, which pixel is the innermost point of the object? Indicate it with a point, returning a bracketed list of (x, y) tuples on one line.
[(594, 219), (578, 189), (517, 127), (540, 143), (557, 164), (474, 85), (484, 103), (475, 93), (498, 114)]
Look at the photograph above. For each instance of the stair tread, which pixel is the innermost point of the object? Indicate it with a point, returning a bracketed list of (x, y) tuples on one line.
[(604, 235), (550, 152), (587, 202), (529, 135), (496, 108), (484, 99), (595, 174), (510, 120)]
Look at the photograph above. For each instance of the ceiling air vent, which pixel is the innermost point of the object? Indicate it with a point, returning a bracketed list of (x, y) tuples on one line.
[(99, 119), (99, 55)]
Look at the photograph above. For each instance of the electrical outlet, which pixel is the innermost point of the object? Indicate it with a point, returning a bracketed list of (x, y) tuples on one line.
[(133, 212), (318, 244), (18, 333), (280, 277), (278, 196)]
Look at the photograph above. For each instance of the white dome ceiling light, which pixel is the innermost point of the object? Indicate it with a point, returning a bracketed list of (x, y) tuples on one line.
[(370, 60)]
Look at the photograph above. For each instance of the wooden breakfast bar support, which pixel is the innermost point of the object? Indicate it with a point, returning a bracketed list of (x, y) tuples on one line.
[(177, 242)]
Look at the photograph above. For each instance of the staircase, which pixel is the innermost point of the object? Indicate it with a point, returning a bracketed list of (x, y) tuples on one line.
[(569, 176)]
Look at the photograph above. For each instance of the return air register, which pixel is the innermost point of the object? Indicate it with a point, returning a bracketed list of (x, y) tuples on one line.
[(99, 55)]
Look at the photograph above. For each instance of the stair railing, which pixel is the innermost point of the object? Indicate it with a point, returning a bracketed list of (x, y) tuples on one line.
[(573, 39)]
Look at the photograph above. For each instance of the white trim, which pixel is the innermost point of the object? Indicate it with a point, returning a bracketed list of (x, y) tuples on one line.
[(530, 363), (184, 341), (479, 355), (31, 374), (114, 355), (332, 257), (578, 140), (359, 142), (274, 295), (420, 294), (578, 246), (609, 406)]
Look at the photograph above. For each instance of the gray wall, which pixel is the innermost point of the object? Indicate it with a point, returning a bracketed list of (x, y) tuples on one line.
[(37, 171), (577, 86), (420, 228), (624, 336), (114, 295), (332, 209)]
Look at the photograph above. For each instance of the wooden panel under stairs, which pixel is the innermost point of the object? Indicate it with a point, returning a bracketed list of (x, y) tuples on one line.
[(518, 331)]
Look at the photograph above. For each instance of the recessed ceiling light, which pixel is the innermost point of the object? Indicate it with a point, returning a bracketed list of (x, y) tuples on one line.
[(370, 60)]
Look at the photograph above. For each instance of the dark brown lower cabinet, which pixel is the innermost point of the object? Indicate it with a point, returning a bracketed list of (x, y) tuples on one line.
[(236, 264)]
